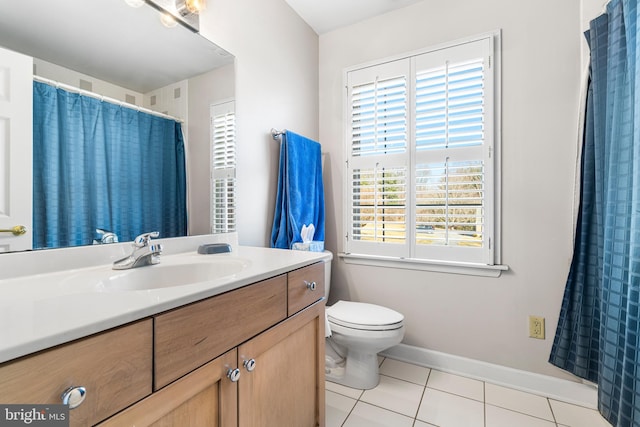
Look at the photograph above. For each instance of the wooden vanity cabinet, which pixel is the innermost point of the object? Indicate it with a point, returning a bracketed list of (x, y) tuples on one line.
[(285, 386), (277, 329), (114, 367), (173, 369)]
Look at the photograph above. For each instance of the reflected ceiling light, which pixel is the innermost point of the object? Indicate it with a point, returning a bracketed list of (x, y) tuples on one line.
[(195, 6), (168, 20), (134, 3), (173, 12), (189, 7)]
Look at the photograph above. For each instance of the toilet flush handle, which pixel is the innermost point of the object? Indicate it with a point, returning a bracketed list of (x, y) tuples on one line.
[(311, 285)]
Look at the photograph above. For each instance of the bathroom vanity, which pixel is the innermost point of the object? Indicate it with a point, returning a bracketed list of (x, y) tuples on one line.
[(244, 349)]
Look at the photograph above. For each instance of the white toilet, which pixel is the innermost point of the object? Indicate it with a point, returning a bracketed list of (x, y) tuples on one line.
[(359, 331)]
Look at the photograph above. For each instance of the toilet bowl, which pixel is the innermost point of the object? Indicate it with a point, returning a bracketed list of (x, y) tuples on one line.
[(359, 331)]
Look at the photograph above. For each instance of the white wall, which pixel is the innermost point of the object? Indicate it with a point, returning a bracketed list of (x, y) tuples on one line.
[(213, 87), (479, 318), (590, 9), (281, 83), (171, 99), (71, 77), (276, 87)]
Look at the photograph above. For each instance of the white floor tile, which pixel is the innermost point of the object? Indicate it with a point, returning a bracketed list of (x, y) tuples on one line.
[(337, 408), (395, 395), (577, 416), (365, 415), (518, 401), (354, 393), (455, 384), (500, 417), (402, 400), (448, 410), (404, 371)]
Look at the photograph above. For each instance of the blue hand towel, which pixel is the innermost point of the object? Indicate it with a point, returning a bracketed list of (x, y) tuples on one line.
[(300, 197)]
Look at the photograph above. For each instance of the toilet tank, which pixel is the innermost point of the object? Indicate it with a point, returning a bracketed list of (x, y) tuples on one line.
[(327, 274)]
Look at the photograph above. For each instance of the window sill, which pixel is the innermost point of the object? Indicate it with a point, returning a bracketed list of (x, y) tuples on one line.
[(426, 265)]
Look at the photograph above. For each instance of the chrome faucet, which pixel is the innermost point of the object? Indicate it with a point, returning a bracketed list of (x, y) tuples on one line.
[(106, 236), (144, 253)]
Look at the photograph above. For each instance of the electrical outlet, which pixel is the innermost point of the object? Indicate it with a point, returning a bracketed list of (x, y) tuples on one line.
[(536, 327)]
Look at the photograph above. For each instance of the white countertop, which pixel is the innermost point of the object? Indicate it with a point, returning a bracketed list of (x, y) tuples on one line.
[(42, 310)]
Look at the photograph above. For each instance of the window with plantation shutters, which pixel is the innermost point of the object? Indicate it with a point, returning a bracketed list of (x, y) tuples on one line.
[(378, 148), (223, 169), (420, 156)]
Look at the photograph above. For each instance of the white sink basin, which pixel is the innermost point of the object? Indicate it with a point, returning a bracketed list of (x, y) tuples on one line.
[(168, 275)]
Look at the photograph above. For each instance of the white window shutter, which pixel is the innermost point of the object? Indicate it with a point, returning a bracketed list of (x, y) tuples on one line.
[(378, 167), (420, 171), (452, 207), (223, 168)]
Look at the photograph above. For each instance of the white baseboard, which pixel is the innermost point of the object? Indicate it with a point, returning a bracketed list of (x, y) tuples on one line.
[(544, 385)]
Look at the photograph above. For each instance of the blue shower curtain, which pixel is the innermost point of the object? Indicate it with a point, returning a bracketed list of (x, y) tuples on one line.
[(101, 165), (597, 335)]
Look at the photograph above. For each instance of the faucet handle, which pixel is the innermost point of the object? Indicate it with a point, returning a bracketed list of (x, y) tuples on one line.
[(143, 240), (106, 236)]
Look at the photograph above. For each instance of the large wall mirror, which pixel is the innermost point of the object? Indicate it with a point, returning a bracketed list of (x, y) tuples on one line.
[(127, 53)]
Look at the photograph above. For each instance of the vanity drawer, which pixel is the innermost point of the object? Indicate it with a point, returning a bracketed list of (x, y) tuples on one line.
[(114, 367), (188, 337), (301, 290)]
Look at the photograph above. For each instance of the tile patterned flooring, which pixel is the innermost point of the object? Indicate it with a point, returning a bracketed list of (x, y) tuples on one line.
[(415, 396)]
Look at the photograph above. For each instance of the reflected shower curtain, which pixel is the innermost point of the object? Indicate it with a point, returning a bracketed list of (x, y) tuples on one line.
[(101, 165), (597, 336)]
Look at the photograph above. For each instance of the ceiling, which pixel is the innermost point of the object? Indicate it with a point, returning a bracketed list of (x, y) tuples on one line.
[(327, 15)]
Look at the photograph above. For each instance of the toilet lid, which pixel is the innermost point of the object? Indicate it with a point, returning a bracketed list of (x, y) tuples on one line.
[(360, 315)]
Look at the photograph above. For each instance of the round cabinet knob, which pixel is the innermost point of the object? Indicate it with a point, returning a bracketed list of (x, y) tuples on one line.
[(233, 374), (74, 396), (250, 364), (311, 285)]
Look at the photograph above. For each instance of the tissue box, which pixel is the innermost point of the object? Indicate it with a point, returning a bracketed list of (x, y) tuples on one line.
[(314, 246)]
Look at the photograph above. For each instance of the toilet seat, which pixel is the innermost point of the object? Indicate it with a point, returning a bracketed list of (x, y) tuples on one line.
[(364, 316)]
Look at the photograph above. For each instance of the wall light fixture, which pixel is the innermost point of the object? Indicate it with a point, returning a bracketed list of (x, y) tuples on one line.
[(134, 3), (185, 12)]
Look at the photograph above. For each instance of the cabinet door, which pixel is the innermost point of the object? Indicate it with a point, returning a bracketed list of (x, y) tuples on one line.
[(114, 367), (286, 385), (205, 397)]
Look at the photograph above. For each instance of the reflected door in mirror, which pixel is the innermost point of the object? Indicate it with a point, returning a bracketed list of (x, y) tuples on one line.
[(15, 150)]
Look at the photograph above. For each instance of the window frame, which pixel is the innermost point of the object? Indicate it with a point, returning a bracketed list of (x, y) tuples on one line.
[(487, 265), (225, 175)]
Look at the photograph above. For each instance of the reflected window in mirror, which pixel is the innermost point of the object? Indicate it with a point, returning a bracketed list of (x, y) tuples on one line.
[(223, 166)]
